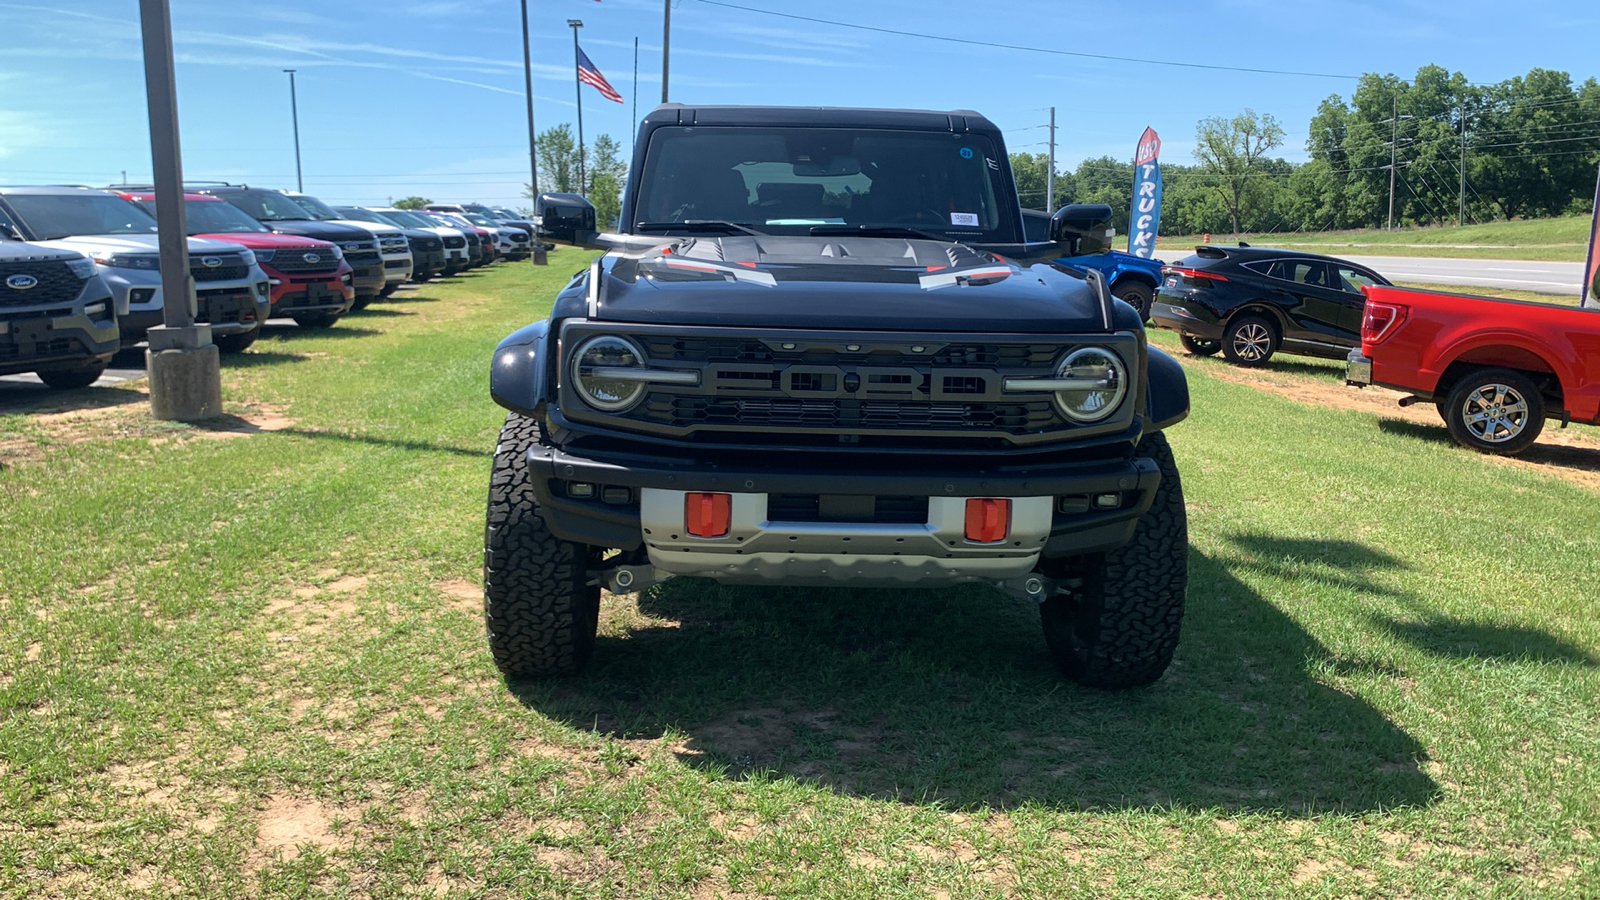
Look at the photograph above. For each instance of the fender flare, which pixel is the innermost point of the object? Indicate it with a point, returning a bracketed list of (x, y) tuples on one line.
[(1166, 390), (517, 373)]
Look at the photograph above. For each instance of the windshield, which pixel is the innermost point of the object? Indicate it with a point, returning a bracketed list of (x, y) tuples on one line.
[(789, 180), (482, 221), (51, 216), (408, 219), (266, 206), (317, 208), (358, 214), (211, 217)]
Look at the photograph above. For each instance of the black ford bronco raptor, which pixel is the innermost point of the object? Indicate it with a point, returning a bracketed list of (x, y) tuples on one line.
[(820, 351)]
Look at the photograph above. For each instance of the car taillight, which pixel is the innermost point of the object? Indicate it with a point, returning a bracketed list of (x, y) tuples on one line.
[(1193, 275), (1381, 320)]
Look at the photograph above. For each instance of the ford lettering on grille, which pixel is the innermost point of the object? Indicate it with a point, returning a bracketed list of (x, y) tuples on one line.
[(211, 262), (312, 258), (22, 282)]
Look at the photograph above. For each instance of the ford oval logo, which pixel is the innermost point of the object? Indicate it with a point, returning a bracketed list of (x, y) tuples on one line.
[(22, 282), (312, 258), (211, 262), (354, 245)]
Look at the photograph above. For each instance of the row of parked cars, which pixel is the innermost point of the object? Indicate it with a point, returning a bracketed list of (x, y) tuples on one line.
[(80, 268)]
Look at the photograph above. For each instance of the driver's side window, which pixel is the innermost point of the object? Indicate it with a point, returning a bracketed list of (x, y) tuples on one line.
[(1351, 280)]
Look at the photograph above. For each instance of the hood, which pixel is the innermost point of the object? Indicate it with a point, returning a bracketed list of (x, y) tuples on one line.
[(322, 231), (862, 283), (373, 227), (17, 251), (263, 241), (103, 244)]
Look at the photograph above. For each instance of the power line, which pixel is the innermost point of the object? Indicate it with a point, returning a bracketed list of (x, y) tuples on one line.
[(1000, 46)]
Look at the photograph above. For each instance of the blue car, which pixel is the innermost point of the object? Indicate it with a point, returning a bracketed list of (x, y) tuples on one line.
[(1132, 279)]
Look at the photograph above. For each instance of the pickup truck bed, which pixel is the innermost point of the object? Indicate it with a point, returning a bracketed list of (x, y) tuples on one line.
[(1496, 369)]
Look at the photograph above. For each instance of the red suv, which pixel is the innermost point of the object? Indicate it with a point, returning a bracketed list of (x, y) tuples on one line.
[(311, 282)]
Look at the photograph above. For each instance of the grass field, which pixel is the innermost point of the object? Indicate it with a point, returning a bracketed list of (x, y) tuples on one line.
[(1559, 239), (247, 661)]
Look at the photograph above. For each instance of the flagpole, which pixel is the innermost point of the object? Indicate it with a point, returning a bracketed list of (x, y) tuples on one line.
[(635, 89), (539, 257), (577, 80)]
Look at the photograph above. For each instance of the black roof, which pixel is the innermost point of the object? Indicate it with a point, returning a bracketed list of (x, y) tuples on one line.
[(958, 120), (1242, 253)]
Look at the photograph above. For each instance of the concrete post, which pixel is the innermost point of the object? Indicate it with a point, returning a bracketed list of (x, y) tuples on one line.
[(185, 375)]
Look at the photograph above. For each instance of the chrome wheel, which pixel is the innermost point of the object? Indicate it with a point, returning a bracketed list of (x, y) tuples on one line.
[(1252, 342), (1495, 413)]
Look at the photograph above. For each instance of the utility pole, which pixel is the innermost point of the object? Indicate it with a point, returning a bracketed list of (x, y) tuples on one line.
[(666, 44), (294, 108), (1461, 216), (1394, 143), (1050, 175), (185, 377), (539, 256), (583, 185)]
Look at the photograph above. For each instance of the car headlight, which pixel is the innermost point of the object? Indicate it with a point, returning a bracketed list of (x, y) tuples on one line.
[(265, 255), (1098, 366), (600, 388), (337, 253), (83, 268), (150, 261), (249, 257)]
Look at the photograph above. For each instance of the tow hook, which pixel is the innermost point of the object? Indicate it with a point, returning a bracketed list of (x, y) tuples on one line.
[(629, 579), (1036, 587)]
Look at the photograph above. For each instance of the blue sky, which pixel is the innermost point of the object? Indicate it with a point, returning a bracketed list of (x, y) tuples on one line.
[(425, 96)]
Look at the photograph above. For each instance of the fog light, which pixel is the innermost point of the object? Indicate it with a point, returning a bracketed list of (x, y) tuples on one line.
[(988, 519), (1107, 501), (706, 514), (617, 496), (580, 490), (141, 295)]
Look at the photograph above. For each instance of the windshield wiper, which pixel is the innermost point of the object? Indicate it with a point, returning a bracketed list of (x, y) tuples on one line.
[(699, 225), (899, 231)]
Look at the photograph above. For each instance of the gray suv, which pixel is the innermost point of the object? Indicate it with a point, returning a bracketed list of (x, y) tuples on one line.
[(57, 317)]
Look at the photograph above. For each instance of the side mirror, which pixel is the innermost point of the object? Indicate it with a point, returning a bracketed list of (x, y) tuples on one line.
[(1084, 228), (566, 219)]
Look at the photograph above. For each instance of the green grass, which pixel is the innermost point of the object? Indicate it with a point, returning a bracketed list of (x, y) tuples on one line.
[(1565, 238), (255, 667)]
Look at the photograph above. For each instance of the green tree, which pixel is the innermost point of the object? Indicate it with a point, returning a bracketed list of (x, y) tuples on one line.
[(604, 170), (1030, 171), (1108, 180), (1231, 151), (412, 202)]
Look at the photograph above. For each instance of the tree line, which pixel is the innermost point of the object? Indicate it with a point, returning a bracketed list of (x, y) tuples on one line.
[(1530, 143)]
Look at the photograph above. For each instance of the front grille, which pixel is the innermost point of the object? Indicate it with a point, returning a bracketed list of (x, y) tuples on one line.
[(395, 264), (396, 245), (362, 257), (520, 237), (688, 412), (225, 306), (426, 244), (295, 261), (747, 350), (455, 243), (56, 284), (231, 269)]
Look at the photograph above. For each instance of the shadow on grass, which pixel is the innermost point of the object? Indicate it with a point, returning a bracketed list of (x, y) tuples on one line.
[(378, 312), (253, 357), (334, 332), (394, 443), (1443, 636), (948, 697), (23, 399), (409, 297), (1567, 457)]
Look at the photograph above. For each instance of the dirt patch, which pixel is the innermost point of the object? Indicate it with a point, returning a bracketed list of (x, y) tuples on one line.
[(1563, 453), (120, 413), (462, 594), (288, 826)]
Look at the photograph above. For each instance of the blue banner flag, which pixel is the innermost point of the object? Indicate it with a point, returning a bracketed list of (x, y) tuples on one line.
[(1591, 272), (1145, 217)]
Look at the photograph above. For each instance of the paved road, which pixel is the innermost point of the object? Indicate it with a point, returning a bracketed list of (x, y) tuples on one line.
[(125, 366), (1539, 277)]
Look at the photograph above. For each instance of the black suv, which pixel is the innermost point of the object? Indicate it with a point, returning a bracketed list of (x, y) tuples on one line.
[(283, 215), (1252, 302), (822, 353), (57, 316)]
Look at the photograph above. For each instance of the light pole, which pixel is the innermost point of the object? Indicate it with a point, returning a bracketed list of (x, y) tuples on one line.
[(185, 378), (539, 257), (294, 109), (577, 80)]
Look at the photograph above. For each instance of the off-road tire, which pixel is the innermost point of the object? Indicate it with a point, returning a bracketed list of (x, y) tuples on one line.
[(236, 343), (315, 320), (1249, 341), (1521, 435), (539, 609), (1136, 294), (1120, 628), (1199, 346), (72, 379)]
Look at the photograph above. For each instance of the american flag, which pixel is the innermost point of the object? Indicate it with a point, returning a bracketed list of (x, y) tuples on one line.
[(591, 76)]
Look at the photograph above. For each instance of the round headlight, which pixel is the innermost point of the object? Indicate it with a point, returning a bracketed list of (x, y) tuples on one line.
[(1092, 364), (602, 390)]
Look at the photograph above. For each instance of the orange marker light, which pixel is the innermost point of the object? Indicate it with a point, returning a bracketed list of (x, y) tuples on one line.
[(707, 514), (988, 519)]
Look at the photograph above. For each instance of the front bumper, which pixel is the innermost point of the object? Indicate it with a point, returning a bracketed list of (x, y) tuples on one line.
[(1357, 369), (234, 309), (368, 278), (1167, 315), (397, 268), (1053, 515), (315, 297), (33, 340)]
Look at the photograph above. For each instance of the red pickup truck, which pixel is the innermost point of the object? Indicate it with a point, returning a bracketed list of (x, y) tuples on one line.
[(1495, 369)]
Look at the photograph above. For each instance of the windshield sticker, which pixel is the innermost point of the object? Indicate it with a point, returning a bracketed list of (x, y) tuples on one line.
[(966, 152), (968, 219)]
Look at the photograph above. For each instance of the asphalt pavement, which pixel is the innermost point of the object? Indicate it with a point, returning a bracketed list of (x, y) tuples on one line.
[(1520, 275)]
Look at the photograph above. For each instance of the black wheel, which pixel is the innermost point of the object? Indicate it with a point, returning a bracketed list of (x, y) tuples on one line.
[(539, 608), (388, 291), (1136, 295), (1495, 411), (1199, 346), (1249, 341), (236, 343), (362, 300), (315, 320), (71, 379), (1120, 628)]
